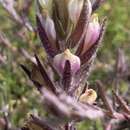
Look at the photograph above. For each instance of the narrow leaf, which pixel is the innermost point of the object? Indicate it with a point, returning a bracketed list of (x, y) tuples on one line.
[(26, 70), (41, 123), (37, 84), (49, 48), (122, 103), (45, 76), (105, 98)]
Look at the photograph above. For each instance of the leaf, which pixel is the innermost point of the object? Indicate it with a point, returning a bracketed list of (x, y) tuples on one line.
[(26, 70), (36, 83), (36, 75), (45, 76)]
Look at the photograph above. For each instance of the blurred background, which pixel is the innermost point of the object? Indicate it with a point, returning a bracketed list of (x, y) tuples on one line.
[(19, 43)]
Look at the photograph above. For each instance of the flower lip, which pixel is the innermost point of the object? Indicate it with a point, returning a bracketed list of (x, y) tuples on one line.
[(60, 59)]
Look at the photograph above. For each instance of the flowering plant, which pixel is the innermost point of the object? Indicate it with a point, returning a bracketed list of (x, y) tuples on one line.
[(71, 33)]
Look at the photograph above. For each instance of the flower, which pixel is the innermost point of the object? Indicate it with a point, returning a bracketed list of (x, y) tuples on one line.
[(88, 97), (92, 33), (50, 29), (74, 9), (43, 2), (60, 59)]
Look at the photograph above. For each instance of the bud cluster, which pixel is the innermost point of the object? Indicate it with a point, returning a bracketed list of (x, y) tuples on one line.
[(70, 34)]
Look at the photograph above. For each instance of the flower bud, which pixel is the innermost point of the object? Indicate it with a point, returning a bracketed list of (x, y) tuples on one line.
[(50, 29), (43, 3), (92, 34), (60, 59), (75, 8), (88, 97)]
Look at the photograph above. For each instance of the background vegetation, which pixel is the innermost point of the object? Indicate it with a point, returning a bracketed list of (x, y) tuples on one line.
[(17, 95)]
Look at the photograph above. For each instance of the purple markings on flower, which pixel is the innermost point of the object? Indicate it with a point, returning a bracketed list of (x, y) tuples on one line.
[(60, 59), (92, 34)]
